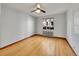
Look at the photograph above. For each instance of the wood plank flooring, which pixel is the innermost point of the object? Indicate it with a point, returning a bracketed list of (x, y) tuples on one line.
[(38, 46)]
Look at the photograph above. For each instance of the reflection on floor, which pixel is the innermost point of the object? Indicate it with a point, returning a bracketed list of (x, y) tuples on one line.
[(38, 46)]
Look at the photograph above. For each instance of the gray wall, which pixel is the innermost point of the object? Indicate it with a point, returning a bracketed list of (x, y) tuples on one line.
[(15, 25), (59, 24), (0, 24), (0, 8), (72, 38)]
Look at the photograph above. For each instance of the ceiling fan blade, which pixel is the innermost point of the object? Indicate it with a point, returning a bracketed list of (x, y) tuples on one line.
[(43, 11), (39, 9), (33, 11)]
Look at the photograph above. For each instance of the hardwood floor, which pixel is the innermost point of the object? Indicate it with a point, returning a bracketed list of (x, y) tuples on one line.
[(38, 46)]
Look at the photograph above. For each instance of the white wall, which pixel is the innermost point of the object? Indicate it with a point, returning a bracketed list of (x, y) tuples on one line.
[(72, 38), (15, 25), (0, 24), (59, 24), (0, 8)]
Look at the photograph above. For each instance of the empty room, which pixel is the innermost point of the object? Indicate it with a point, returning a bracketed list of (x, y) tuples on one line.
[(39, 29)]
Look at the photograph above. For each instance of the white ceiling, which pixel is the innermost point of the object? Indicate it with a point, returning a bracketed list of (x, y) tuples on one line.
[(50, 8)]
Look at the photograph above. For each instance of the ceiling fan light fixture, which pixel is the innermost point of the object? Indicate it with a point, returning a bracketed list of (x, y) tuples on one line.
[(37, 11)]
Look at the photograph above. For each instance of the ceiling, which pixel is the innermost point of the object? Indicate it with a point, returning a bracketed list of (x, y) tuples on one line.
[(50, 8)]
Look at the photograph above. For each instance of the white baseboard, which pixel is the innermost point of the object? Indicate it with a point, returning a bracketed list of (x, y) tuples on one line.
[(4, 45), (72, 45)]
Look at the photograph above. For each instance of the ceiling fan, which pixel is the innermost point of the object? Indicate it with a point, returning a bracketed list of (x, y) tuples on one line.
[(38, 9)]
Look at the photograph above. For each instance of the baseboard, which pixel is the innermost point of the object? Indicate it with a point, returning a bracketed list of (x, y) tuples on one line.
[(40, 35), (61, 37), (16, 41), (26, 38), (71, 45)]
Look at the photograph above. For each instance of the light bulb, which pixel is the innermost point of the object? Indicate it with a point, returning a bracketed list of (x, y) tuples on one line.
[(38, 11)]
